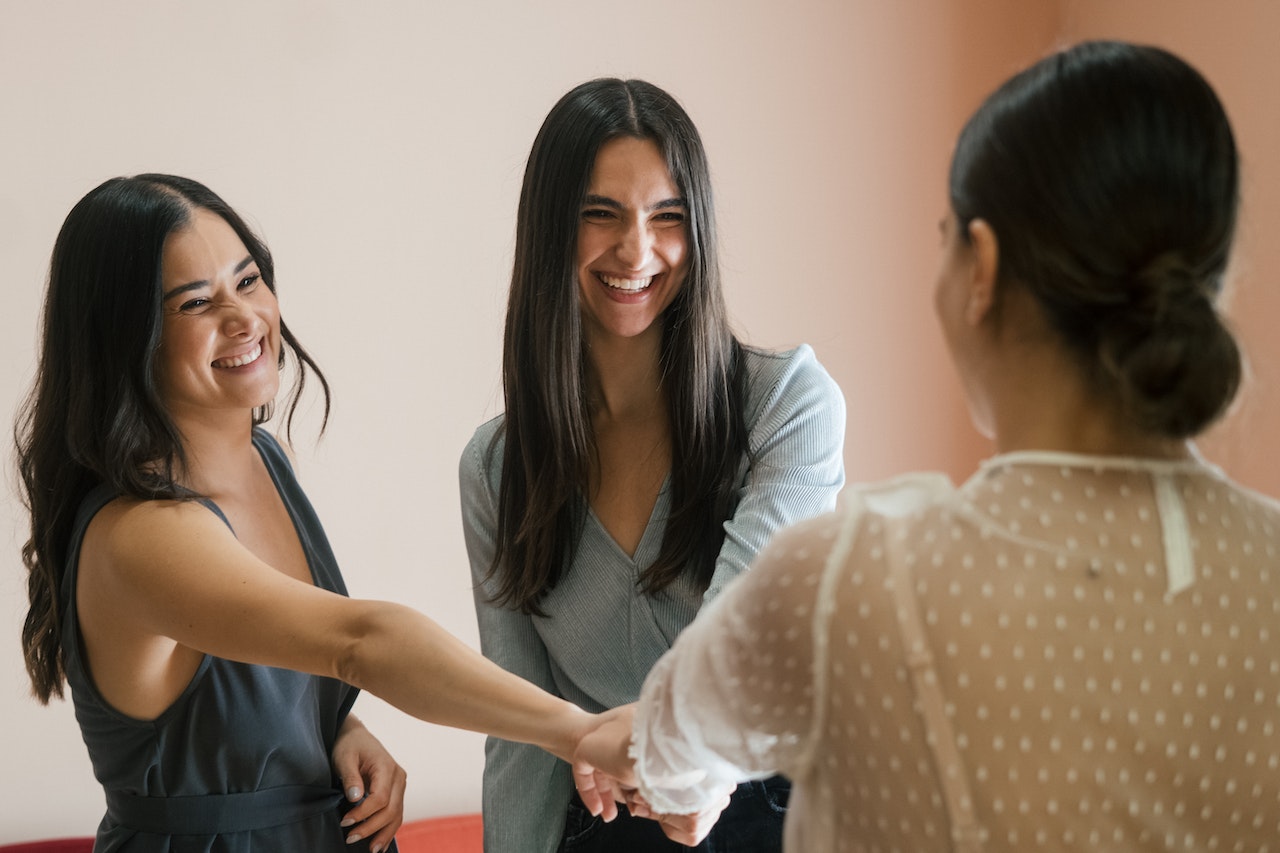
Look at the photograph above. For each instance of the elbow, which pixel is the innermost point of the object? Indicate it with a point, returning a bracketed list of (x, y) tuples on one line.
[(375, 644), (356, 643)]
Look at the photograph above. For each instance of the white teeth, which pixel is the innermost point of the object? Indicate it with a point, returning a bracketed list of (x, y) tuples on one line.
[(629, 285), (240, 360)]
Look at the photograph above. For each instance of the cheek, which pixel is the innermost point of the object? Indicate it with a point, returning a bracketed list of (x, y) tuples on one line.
[(940, 306), (268, 311), (169, 360), (675, 251), (948, 297), (587, 248)]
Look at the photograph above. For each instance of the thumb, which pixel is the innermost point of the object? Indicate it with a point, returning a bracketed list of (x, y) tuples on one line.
[(352, 781)]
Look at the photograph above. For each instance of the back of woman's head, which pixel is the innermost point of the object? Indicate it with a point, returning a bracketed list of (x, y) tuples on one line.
[(1109, 175)]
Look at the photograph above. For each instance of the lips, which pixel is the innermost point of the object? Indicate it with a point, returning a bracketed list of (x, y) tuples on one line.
[(241, 360), (627, 285)]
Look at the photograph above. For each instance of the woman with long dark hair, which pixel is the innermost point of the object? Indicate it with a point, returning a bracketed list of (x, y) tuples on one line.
[(644, 455), (179, 580), (1077, 649)]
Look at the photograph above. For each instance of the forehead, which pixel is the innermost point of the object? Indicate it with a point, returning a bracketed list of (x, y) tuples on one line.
[(627, 168), (201, 249)]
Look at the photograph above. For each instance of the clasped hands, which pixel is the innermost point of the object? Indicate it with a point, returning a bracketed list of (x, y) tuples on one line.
[(604, 774)]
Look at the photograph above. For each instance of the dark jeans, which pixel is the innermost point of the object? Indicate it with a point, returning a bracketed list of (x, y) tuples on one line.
[(751, 824)]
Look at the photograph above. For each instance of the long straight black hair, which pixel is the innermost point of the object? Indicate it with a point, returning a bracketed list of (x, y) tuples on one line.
[(93, 414), (549, 446)]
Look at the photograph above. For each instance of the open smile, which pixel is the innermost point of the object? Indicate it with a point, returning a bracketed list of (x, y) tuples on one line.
[(626, 285), (241, 360)]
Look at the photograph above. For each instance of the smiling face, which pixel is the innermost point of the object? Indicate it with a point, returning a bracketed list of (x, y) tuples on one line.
[(633, 241), (220, 338)]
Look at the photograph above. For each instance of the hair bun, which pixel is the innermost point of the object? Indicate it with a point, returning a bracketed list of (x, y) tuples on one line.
[(1168, 353), (1110, 172)]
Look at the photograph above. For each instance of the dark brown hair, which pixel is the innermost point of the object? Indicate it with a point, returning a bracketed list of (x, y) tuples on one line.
[(548, 442), (1109, 174), (93, 414)]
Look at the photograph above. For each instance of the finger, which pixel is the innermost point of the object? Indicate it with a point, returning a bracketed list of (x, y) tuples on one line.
[(679, 835), (347, 766), (588, 783), (380, 815), (689, 832), (366, 808), (353, 789), (609, 796), (393, 815), (379, 791), (637, 804)]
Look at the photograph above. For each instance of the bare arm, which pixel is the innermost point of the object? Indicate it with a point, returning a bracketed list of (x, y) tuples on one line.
[(163, 582)]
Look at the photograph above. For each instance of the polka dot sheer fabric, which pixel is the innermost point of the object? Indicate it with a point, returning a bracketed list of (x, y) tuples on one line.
[(1098, 666)]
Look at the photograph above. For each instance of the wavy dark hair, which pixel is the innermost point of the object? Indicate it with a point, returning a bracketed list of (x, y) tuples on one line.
[(549, 447), (93, 414), (1110, 176)]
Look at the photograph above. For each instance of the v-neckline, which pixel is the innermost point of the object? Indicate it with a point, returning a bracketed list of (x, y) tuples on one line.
[(633, 559)]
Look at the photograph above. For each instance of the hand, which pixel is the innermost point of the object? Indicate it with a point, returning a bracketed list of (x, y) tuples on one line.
[(689, 829), (602, 769), (686, 829), (372, 778)]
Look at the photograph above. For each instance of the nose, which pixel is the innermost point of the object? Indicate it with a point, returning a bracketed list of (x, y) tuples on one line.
[(635, 248), (239, 320)]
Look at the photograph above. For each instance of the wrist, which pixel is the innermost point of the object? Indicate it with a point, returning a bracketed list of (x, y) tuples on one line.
[(570, 724)]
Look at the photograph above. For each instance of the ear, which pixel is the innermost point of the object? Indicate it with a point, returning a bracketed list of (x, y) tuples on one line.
[(982, 274)]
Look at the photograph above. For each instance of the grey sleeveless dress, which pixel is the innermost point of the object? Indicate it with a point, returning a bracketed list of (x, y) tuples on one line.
[(241, 761)]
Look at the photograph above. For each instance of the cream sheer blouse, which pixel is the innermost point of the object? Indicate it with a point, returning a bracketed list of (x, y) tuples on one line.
[(1065, 653)]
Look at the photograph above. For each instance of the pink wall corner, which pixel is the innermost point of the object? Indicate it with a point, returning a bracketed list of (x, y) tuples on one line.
[(1233, 45), (960, 54)]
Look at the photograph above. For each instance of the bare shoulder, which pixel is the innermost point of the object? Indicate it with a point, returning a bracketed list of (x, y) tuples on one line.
[(128, 534)]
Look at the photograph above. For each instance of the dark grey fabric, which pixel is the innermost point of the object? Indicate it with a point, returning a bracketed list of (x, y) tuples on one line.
[(241, 761)]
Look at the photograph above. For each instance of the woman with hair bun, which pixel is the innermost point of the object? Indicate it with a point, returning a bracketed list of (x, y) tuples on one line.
[(1076, 649)]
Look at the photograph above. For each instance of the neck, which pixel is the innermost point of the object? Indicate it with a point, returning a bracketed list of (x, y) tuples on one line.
[(1038, 398), (625, 375), (218, 454), (1042, 402)]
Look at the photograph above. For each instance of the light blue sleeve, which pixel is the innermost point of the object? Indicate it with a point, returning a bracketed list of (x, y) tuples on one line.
[(796, 421), (526, 790)]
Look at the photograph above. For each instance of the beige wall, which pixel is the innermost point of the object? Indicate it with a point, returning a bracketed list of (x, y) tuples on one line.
[(379, 148)]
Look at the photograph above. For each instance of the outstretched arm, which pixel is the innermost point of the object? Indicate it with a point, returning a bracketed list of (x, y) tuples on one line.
[(178, 584)]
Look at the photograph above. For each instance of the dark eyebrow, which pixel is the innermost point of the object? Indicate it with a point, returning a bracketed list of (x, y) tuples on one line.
[(605, 201), (600, 201), (196, 285)]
